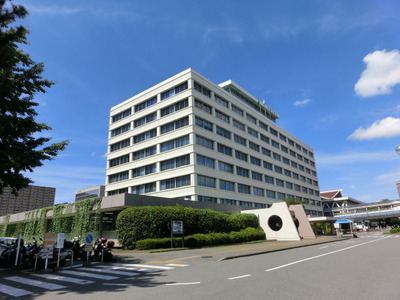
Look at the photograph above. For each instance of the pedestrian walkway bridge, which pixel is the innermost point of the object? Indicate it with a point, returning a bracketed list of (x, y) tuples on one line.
[(389, 209)]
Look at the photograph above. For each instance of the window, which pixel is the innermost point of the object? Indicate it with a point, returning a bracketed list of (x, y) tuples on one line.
[(271, 194), (175, 162), (205, 161), (281, 196), (237, 110), (284, 149), (255, 161), (145, 152), (121, 115), (174, 125), (287, 173), (264, 138), (118, 161), (118, 177), (202, 89), (206, 181), (144, 136), (146, 104), (240, 140), (204, 124), (175, 182), (242, 172), (254, 146), (266, 152), (256, 176), (145, 119), (202, 106), (226, 185), (204, 142), (269, 179), (174, 91), (291, 143), (207, 199), (222, 116), (241, 155), (144, 188), (278, 169), (295, 176), (224, 149), (267, 165), (285, 160), (293, 164), (297, 187), (228, 201), (225, 167), (224, 133), (263, 126), (221, 101), (243, 188), (279, 182), (252, 132), (149, 169), (275, 144), (251, 119), (282, 137), (121, 129), (276, 156), (120, 145), (289, 185), (174, 107), (176, 143), (273, 131), (258, 192), (238, 125)]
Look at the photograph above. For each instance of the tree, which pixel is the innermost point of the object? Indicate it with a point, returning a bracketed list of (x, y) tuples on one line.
[(292, 201), (21, 147)]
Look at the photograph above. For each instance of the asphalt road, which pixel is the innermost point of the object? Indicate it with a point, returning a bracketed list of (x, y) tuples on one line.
[(363, 268)]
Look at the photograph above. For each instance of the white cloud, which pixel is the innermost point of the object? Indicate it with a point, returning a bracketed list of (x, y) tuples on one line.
[(302, 102), (51, 10), (382, 73), (386, 128)]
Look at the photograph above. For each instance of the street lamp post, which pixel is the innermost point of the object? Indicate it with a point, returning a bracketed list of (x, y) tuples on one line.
[(397, 150)]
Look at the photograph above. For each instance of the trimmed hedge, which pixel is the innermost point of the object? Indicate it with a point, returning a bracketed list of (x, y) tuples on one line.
[(154, 222), (201, 240)]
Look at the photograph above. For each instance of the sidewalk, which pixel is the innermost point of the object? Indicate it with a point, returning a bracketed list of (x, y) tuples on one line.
[(216, 253)]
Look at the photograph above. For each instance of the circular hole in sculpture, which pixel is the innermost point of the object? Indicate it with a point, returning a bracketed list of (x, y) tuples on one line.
[(275, 223)]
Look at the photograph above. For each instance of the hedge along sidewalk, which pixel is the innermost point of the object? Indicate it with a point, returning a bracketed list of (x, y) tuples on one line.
[(217, 253)]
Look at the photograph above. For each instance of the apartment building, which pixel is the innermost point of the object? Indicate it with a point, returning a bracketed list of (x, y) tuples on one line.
[(32, 197), (192, 139)]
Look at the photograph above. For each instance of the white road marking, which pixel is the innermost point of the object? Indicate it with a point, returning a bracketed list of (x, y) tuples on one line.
[(183, 283), (239, 277), (321, 255), (64, 278), (177, 265), (116, 284), (37, 283), (126, 268), (91, 275), (12, 291), (114, 272), (323, 247), (149, 266)]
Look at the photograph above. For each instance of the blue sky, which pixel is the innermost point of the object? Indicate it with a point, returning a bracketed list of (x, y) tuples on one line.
[(330, 69)]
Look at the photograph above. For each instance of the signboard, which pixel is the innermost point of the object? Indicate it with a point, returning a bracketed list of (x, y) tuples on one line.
[(88, 242), (60, 240), (177, 227), (48, 244)]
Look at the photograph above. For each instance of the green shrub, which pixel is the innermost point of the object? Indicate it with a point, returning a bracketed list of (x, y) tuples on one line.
[(395, 230), (153, 244), (154, 222)]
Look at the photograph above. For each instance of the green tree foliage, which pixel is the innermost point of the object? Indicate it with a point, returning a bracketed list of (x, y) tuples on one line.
[(293, 201), (21, 147), (153, 222)]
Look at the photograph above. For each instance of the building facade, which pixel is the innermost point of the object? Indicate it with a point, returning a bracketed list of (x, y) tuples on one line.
[(192, 139), (97, 191), (333, 201), (32, 197)]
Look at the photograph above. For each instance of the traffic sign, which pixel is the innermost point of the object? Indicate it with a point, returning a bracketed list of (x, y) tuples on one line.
[(89, 238), (60, 240)]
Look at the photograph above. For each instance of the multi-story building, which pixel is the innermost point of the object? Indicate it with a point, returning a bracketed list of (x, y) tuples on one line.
[(398, 187), (90, 193), (32, 197), (189, 138)]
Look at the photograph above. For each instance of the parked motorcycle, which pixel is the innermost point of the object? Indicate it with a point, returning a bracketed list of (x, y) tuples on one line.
[(103, 250)]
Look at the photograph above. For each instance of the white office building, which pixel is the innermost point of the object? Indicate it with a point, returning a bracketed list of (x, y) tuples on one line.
[(192, 139)]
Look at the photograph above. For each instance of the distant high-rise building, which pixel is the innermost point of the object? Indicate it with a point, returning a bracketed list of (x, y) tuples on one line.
[(32, 197), (192, 139), (398, 187), (90, 193)]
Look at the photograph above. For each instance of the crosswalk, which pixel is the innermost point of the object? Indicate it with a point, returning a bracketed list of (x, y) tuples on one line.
[(26, 283)]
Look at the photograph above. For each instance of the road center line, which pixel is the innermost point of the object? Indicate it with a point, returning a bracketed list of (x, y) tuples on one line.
[(321, 255), (239, 277), (183, 283)]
